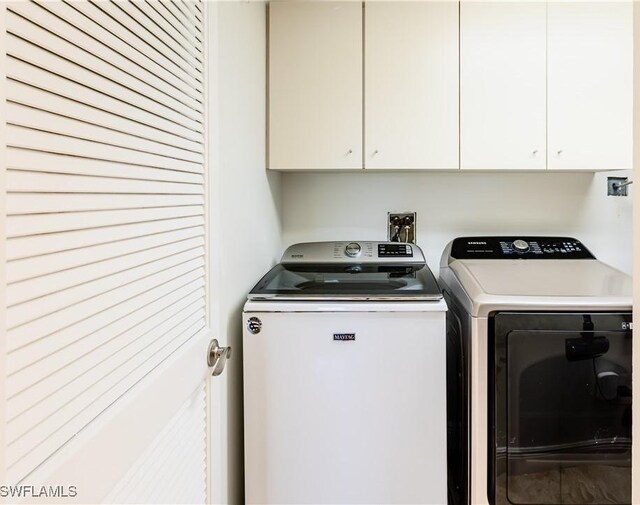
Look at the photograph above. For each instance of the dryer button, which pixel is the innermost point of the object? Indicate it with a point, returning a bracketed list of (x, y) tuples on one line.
[(520, 245)]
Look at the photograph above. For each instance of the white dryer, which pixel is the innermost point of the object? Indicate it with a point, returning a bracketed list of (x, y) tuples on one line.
[(539, 372), (344, 378)]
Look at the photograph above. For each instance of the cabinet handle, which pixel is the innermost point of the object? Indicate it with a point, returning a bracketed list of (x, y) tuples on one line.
[(350, 151), (559, 152), (375, 152), (535, 151)]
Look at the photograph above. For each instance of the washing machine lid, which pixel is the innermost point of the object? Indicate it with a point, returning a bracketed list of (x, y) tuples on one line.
[(412, 282), (349, 271)]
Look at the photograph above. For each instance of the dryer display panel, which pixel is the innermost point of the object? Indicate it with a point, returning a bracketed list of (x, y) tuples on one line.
[(519, 248)]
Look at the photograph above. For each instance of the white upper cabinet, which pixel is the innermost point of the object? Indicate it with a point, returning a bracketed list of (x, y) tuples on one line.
[(411, 85), (502, 85), (488, 85), (315, 85), (590, 66)]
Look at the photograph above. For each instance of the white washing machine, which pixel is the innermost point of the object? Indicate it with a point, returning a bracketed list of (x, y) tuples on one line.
[(344, 378), (539, 372)]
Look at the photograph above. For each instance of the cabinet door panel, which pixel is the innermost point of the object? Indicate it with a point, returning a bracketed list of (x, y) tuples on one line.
[(590, 65), (503, 85), (315, 85), (411, 85)]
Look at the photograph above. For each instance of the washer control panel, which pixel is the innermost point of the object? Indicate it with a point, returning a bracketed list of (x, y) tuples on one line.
[(519, 248), (361, 252), (394, 250)]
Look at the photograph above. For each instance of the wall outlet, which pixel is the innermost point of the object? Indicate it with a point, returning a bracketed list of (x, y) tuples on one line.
[(616, 186), (401, 227)]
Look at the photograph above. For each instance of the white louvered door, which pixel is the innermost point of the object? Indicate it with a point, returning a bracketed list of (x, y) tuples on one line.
[(104, 319)]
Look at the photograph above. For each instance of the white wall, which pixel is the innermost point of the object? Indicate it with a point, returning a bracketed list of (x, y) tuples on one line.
[(343, 206), (244, 212)]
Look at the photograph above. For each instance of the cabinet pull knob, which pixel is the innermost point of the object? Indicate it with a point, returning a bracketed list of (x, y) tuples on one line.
[(375, 152), (350, 151), (559, 152), (535, 151)]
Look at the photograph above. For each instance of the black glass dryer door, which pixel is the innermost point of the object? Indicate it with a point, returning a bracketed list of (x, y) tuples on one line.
[(562, 409)]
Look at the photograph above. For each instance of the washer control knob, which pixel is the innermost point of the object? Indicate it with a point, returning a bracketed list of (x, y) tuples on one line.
[(520, 245), (353, 249)]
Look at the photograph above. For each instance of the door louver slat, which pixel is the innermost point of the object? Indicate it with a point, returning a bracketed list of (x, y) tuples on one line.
[(44, 183)]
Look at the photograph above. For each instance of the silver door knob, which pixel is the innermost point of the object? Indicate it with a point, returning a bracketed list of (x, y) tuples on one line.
[(217, 357)]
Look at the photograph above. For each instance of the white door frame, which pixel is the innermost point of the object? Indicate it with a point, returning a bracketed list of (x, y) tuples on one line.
[(217, 449), (3, 213), (635, 465)]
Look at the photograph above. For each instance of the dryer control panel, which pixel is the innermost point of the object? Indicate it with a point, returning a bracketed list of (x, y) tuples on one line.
[(518, 247)]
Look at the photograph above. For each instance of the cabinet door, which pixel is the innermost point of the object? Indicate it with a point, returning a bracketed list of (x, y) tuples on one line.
[(315, 85), (411, 85), (503, 85), (590, 85)]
